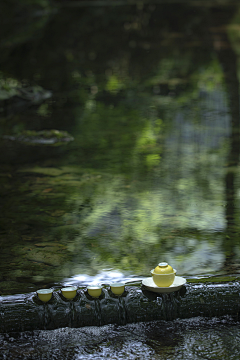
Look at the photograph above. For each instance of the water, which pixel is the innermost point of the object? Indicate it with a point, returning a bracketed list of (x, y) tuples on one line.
[(197, 339), (150, 94), (122, 311), (152, 173)]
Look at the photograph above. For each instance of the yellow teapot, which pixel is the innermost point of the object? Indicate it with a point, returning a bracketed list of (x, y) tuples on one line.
[(163, 275)]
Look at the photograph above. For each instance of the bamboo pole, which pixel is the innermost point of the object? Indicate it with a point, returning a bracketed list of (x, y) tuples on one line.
[(27, 312)]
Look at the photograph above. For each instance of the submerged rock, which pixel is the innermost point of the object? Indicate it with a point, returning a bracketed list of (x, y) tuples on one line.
[(16, 98), (44, 137)]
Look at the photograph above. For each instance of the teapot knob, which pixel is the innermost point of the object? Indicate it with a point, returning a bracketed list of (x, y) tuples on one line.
[(163, 264)]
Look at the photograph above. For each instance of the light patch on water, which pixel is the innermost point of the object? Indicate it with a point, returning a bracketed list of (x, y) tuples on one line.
[(128, 350), (204, 258), (104, 277)]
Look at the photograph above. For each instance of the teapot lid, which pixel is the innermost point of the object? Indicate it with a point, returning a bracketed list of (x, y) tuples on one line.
[(163, 268)]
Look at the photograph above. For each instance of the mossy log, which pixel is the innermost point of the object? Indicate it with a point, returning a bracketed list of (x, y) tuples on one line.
[(27, 312)]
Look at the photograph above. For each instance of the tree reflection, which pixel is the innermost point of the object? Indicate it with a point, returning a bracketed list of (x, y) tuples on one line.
[(229, 62), (133, 85)]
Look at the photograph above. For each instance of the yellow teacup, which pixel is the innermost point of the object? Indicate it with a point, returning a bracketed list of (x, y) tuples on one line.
[(94, 290), (69, 292), (117, 288), (163, 275), (45, 294), (164, 280)]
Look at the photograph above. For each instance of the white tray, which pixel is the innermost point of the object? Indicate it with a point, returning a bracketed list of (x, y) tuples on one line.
[(151, 286)]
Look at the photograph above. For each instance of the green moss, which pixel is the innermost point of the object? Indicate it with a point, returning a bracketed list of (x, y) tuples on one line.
[(214, 279)]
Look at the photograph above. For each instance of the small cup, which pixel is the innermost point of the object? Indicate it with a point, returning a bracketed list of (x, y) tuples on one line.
[(69, 292), (117, 288), (94, 290), (45, 294)]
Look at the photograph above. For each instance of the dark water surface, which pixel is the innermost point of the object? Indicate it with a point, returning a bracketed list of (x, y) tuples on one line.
[(195, 339), (149, 91), (150, 94)]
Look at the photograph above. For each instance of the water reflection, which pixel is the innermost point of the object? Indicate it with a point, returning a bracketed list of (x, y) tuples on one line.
[(152, 173)]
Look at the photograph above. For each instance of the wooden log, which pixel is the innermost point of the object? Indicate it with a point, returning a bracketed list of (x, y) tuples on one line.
[(27, 312)]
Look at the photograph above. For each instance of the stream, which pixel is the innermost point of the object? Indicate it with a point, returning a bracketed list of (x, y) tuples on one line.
[(119, 149), (197, 339)]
